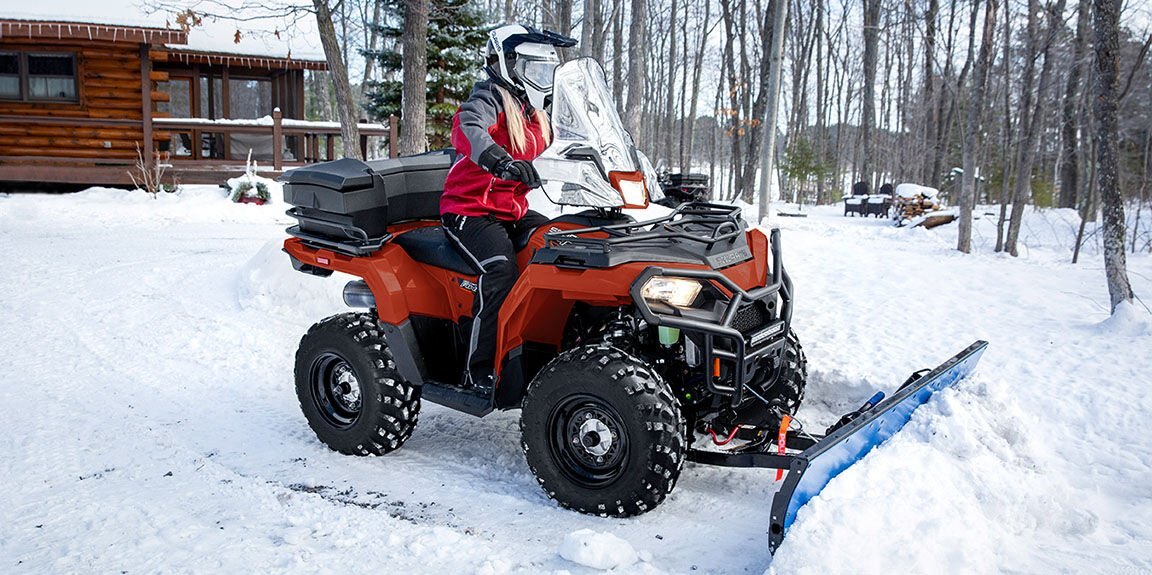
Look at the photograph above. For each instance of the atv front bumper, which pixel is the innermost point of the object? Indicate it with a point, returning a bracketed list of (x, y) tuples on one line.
[(747, 352)]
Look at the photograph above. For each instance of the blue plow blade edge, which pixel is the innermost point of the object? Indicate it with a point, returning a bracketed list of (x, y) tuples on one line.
[(812, 469)]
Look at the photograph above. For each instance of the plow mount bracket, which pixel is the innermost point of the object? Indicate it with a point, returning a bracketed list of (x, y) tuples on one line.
[(823, 459)]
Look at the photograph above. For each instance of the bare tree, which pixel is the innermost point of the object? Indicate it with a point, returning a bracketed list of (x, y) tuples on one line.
[(413, 114), (779, 12), (1106, 20), (346, 108), (868, 121), (1032, 115), (1069, 129), (972, 127)]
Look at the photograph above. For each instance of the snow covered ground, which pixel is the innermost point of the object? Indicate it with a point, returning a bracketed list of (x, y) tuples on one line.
[(149, 422)]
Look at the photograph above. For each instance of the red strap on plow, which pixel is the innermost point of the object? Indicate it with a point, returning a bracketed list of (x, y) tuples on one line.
[(780, 439)]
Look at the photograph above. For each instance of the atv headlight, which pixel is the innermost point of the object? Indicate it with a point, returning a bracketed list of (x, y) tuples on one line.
[(679, 292)]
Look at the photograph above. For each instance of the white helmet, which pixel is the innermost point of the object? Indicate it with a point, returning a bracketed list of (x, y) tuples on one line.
[(523, 60)]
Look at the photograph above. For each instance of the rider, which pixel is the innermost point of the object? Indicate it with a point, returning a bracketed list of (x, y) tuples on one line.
[(498, 131)]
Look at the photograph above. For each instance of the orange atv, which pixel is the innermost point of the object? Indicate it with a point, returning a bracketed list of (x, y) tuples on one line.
[(621, 342), (617, 339)]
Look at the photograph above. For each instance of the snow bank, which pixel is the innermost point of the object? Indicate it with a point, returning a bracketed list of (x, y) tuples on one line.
[(597, 550), (268, 283), (1128, 320)]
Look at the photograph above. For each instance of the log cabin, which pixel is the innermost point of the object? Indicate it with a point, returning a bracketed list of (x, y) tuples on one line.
[(82, 103)]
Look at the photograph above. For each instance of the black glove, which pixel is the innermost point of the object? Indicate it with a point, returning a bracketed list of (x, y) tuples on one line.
[(498, 163), (518, 171)]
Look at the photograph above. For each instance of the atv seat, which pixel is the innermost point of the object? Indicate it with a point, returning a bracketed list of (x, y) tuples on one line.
[(430, 246)]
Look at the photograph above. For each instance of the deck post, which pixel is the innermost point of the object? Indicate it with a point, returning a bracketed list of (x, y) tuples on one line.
[(146, 107), (277, 140), (393, 136), (364, 141)]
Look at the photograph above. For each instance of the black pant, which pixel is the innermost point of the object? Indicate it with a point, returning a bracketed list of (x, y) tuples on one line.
[(488, 243)]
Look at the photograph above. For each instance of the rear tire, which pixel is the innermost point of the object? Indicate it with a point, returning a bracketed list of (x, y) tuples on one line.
[(349, 389), (603, 433)]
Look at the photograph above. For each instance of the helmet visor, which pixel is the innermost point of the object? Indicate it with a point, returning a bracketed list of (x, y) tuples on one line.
[(538, 72)]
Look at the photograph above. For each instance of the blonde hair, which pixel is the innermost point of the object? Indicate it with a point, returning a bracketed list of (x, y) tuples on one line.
[(513, 111)]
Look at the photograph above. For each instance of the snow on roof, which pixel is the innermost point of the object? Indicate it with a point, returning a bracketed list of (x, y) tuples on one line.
[(42, 29), (297, 39)]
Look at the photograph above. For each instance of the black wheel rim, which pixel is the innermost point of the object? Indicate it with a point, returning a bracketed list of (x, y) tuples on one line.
[(588, 440), (335, 391)]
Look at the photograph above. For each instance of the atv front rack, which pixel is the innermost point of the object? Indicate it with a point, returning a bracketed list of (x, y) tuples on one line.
[(822, 458), (712, 233)]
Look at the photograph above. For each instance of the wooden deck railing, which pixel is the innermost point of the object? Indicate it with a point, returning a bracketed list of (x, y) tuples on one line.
[(307, 141)]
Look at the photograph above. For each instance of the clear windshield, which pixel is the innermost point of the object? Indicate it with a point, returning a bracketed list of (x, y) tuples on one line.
[(589, 140)]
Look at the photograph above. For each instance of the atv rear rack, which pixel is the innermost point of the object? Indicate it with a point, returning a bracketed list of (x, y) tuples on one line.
[(822, 458), (346, 239)]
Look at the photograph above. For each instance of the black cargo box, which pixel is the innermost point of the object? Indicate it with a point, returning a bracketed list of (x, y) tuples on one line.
[(351, 199)]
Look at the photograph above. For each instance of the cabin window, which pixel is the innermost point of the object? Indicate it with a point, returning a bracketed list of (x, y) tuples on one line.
[(51, 77), (249, 98), (9, 75), (25, 76)]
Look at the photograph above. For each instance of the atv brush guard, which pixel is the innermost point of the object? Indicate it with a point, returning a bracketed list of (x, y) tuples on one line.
[(822, 458)]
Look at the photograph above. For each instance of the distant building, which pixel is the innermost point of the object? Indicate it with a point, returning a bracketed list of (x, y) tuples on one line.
[(77, 100)]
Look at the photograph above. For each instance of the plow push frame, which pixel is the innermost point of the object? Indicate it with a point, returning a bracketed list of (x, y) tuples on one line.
[(822, 458)]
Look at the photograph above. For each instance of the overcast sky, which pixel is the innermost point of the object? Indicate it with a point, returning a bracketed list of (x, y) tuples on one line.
[(256, 37)]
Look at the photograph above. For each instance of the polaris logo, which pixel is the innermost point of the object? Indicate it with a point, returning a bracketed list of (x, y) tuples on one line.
[(759, 337), (730, 258), (469, 285)]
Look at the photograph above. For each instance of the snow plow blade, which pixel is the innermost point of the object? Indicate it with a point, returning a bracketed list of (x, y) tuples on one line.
[(857, 433), (813, 468)]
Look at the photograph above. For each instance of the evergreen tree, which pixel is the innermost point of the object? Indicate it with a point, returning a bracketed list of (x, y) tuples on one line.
[(456, 36)]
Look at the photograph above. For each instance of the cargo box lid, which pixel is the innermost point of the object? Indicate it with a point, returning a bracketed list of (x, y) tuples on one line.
[(342, 174), (437, 160)]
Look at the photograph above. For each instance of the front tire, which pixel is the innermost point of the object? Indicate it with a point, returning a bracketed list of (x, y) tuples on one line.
[(349, 389), (603, 433)]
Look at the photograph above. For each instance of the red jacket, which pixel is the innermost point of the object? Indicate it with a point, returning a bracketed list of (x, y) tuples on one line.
[(470, 190)]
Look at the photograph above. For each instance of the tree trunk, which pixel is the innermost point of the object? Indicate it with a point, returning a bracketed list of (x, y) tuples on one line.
[(618, 54), (1107, 24), (589, 27), (373, 39), (930, 120), (414, 42), (779, 12), (637, 73), (971, 133), (1069, 156), (670, 91), (1035, 119), (868, 122), (346, 107)]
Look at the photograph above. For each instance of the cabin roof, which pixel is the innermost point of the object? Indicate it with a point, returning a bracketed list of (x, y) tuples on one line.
[(186, 56), (57, 30)]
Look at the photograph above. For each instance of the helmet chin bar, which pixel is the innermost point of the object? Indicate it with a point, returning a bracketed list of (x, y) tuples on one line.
[(539, 99)]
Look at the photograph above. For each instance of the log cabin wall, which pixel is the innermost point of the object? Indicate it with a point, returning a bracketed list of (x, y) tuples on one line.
[(83, 122), (104, 121)]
